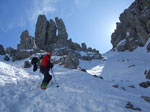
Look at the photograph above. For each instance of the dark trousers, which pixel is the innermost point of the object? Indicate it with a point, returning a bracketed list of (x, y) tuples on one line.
[(47, 76)]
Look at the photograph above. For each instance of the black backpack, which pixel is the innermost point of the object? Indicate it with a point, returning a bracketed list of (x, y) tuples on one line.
[(34, 60)]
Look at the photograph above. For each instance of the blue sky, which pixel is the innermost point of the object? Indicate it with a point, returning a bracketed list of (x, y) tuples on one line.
[(89, 21)]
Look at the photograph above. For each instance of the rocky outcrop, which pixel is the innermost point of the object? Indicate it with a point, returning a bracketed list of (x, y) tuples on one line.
[(2, 50), (145, 84), (46, 38), (84, 47), (71, 61), (147, 74), (61, 28), (26, 42), (45, 33), (51, 32), (74, 46), (6, 58), (97, 56), (52, 36), (134, 27), (41, 32), (146, 98), (87, 58), (19, 55), (129, 105), (11, 51), (27, 64), (25, 48)]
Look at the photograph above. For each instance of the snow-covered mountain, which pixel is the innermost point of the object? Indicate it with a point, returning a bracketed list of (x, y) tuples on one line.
[(78, 91), (113, 83)]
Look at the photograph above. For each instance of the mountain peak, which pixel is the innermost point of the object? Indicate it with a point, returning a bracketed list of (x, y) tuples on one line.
[(133, 30)]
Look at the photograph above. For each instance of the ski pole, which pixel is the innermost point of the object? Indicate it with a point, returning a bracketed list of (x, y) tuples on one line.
[(54, 77)]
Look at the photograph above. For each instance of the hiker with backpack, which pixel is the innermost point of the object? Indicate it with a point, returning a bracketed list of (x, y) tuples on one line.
[(45, 67)]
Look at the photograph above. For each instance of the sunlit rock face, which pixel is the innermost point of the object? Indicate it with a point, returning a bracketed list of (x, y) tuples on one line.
[(133, 30)]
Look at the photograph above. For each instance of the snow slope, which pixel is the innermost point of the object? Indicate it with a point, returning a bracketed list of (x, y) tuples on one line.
[(79, 91)]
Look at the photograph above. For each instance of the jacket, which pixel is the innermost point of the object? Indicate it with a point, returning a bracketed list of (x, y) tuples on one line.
[(46, 61)]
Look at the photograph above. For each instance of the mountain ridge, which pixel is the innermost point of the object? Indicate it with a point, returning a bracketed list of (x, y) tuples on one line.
[(133, 30)]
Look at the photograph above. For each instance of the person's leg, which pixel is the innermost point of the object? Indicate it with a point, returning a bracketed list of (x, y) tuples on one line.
[(46, 80), (49, 77)]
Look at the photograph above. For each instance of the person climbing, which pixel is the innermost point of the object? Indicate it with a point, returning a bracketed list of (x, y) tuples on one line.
[(46, 66)]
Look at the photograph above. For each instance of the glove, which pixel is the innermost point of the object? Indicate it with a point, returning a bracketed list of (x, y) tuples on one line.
[(51, 65)]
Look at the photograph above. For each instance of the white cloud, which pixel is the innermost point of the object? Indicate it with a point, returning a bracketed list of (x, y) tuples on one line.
[(19, 22), (40, 7), (30, 14), (8, 27), (82, 3)]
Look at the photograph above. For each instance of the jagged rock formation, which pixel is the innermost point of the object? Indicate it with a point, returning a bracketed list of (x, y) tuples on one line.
[(45, 34), (2, 50), (26, 42), (71, 61), (61, 28), (47, 39), (25, 48), (134, 27), (84, 48), (11, 51)]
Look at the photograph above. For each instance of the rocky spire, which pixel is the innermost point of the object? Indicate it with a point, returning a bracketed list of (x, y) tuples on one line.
[(45, 34), (84, 47), (51, 32), (134, 27), (26, 42), (61, 28), (46, 39), (41, 31)]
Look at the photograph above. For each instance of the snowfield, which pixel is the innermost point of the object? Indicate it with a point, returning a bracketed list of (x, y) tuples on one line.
[(78, 91)]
